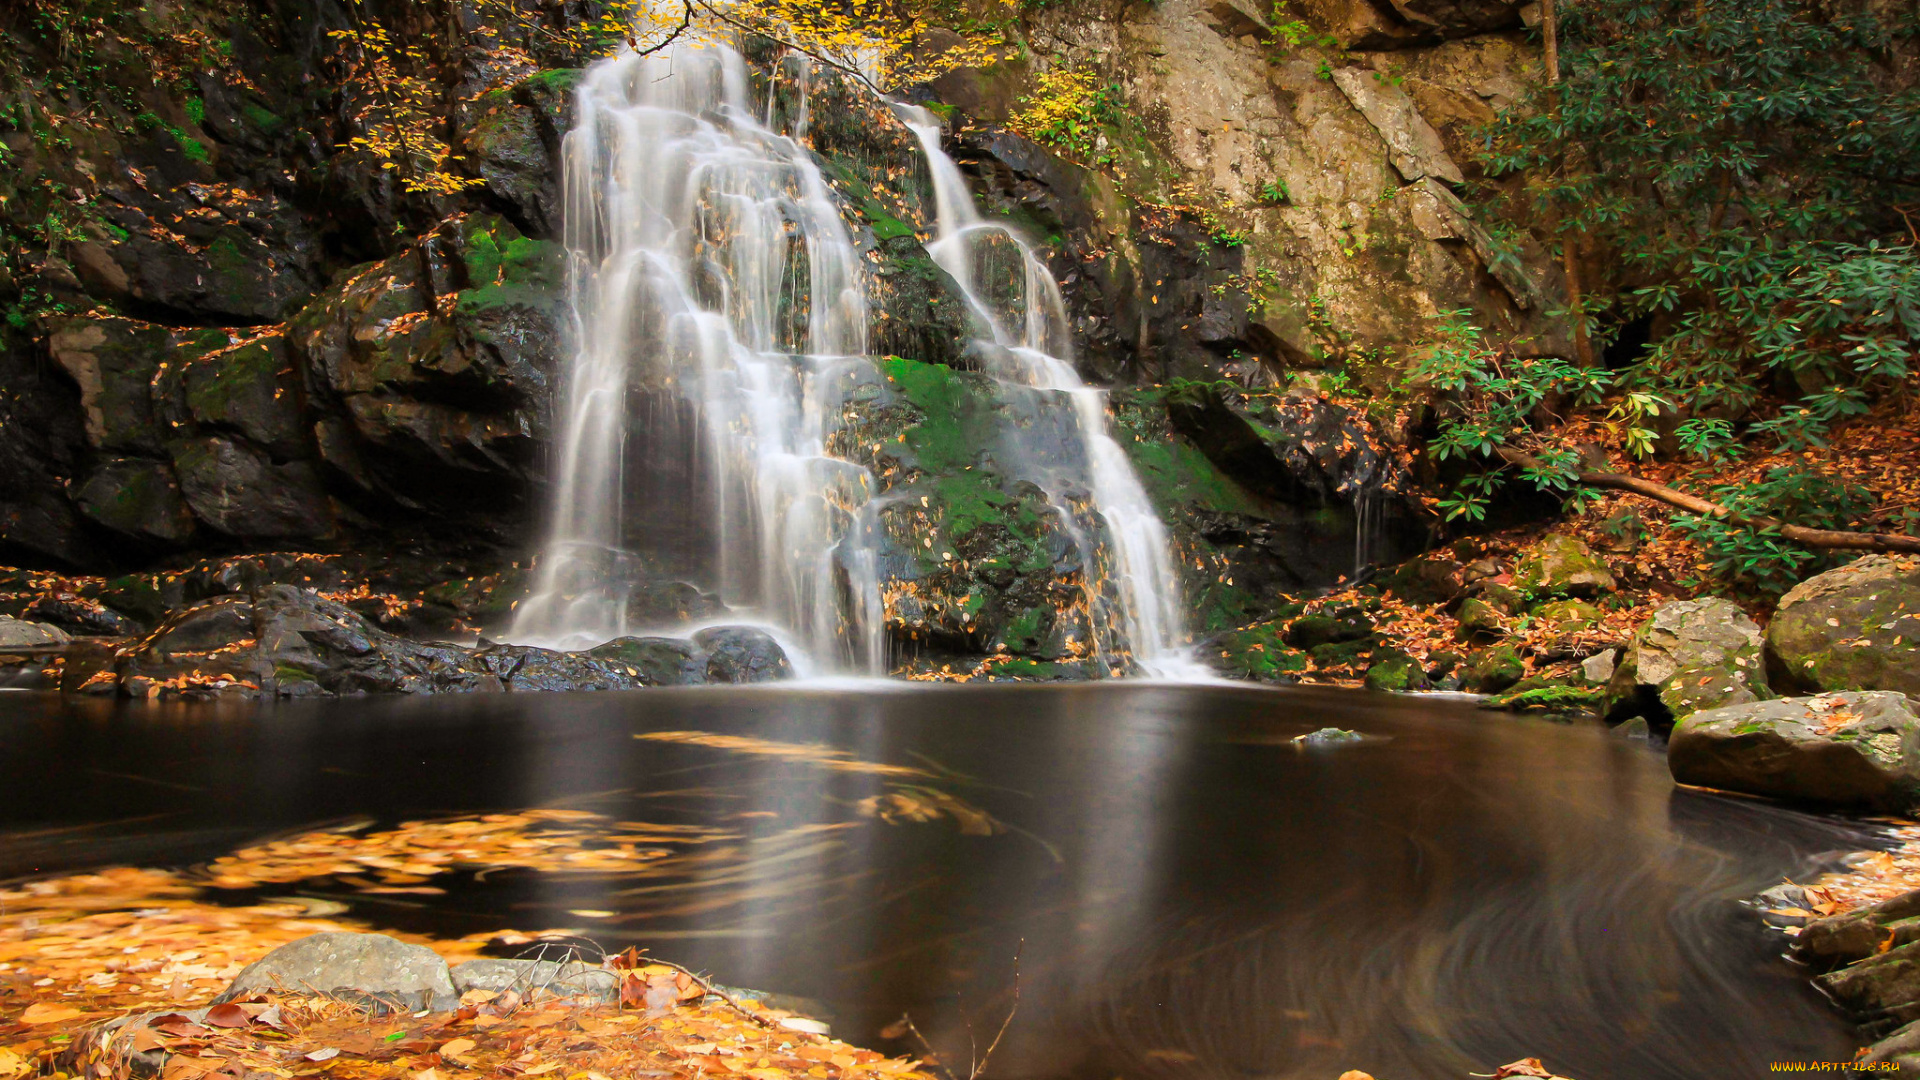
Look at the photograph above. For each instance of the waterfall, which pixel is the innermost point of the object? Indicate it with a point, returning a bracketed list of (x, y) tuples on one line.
[(1025, 342), (718, 296), (709, 262)]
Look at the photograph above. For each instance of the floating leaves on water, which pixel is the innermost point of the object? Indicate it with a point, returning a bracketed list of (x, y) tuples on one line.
[(921, 804), (818, 754), (549, 841)]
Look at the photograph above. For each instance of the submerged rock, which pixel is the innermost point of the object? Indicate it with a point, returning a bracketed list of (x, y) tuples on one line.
[(1691, 655), (1854, 628), (1848, 749), (1328, 736), (367, 964)]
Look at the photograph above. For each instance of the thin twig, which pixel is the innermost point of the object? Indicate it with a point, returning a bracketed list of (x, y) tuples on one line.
[(1008, 1022)]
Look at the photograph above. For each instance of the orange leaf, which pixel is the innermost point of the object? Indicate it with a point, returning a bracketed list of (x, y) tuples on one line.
[(41, 1012)]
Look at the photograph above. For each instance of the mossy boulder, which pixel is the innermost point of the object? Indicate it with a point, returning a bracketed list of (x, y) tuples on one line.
[(1256, 652), (1504, 599), (1329, 628), (1546, 693), (1562, 566), (512, 138), (1691, 655), (1432, 579), (1567, 616), (1489, 671), (1394, 670), (1480, 621), (1848, 749), (1342, 654), (1853, 628)]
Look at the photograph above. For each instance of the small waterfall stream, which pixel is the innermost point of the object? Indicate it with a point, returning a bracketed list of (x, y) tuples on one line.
[(1027, 343), (711, 270)]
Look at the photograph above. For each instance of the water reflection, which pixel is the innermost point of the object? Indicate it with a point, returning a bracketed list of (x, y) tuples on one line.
[(1197, 897)]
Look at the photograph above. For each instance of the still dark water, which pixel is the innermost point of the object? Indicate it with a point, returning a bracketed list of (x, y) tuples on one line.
[(1197, 897)]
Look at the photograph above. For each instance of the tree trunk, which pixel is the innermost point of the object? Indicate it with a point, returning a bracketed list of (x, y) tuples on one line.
[(1550, 35)]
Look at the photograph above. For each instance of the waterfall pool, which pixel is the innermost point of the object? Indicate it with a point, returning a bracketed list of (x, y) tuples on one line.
[(1190, 892)]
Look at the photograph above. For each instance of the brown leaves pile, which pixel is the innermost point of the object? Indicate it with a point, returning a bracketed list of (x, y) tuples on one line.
[(288, 1036)]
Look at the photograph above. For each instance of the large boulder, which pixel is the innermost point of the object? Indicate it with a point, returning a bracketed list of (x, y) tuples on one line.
[(1848, 749), (1854, 628), (1561, 566), (742, 654), (1691, 655), (365, 964)]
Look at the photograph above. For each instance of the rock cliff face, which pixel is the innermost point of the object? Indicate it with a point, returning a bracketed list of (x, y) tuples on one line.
[(261, 343)]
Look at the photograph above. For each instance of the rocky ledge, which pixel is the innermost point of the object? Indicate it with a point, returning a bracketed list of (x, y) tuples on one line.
[(285, 641)]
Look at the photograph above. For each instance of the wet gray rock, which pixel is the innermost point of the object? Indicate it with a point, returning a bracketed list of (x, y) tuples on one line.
[(21, 634), (369, 964), (1848, 749), (523, 667), (136, 497), (204, 627), (242, 492), (532, 978), (742, 654), (657, 661), (1854, 628), (1691, 655)]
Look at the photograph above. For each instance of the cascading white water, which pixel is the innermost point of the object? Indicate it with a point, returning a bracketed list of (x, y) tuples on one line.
[(709, 260), (1030, 345), (711, 268)]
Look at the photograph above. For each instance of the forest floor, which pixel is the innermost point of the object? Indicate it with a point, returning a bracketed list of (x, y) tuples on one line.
[(1652, 560)]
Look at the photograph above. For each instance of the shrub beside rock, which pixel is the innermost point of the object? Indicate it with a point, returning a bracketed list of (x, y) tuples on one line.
[(1848, 749)]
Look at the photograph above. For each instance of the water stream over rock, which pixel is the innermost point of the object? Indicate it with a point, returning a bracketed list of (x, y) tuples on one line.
[(721, 318), (1026, 343)]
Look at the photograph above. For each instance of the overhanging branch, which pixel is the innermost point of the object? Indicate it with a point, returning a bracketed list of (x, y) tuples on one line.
[(1832, 539)]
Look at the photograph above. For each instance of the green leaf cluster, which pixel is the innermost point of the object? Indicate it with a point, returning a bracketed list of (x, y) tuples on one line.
[(1732, 172)]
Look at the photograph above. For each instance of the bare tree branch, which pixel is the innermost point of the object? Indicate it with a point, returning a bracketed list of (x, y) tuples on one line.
[(1831, 539)]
